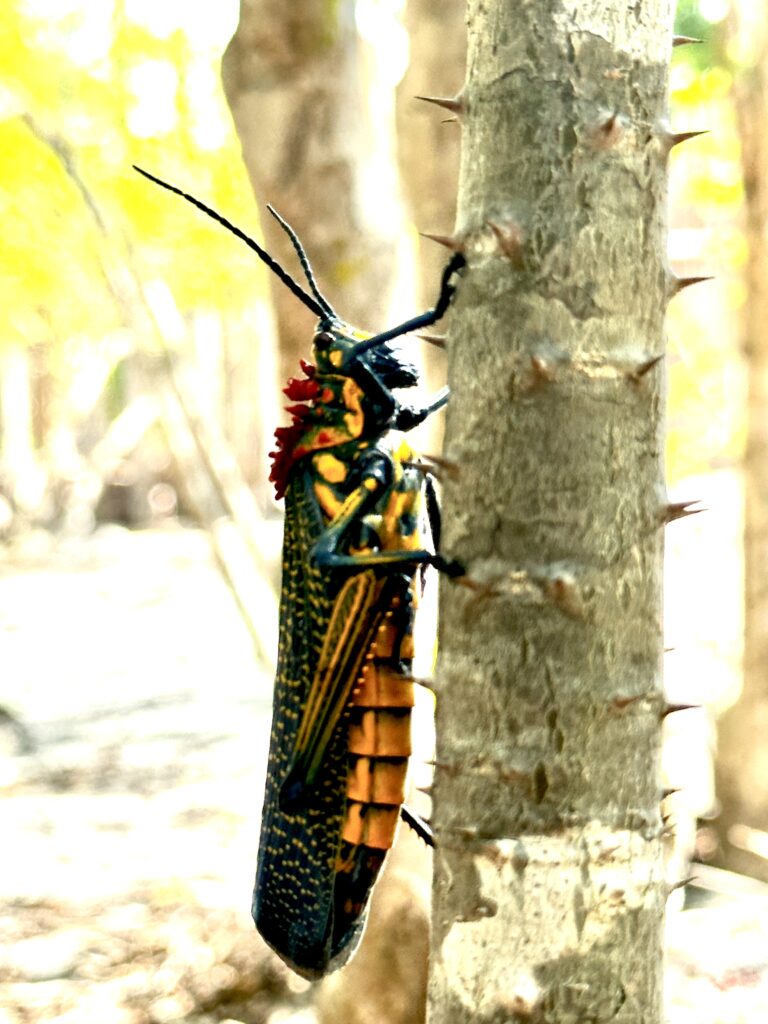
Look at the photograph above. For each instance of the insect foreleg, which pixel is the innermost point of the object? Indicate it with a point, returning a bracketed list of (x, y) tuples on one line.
[(433, 511), (431, 316), (327, 551)]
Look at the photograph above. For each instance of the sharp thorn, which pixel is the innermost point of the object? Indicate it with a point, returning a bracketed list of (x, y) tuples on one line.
[(622, 702), (666, 139), (676, 284), (669, 791), (438, 340), (684, 40), (449, 241), (443, 766), (671, 709), (510, 241), (676, 138), (542, 370), (455, 105), (438, 467), (680, 885), (639, 372), (480, 590), (470, 832), (451, 468), (607, 133), (679, 510), (420, 466), (426, 790), (565, 595)]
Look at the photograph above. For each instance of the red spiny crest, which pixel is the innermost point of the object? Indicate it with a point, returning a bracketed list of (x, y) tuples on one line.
[(298, 389)]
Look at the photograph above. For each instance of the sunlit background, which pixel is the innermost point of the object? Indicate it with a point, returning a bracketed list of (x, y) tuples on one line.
[(138, 392)]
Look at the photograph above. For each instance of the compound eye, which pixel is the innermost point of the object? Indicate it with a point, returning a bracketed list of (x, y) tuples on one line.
[(323, 340)]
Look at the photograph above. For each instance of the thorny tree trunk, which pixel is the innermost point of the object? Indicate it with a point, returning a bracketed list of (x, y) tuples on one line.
[(549, 889), (296, 84), (742, 758)]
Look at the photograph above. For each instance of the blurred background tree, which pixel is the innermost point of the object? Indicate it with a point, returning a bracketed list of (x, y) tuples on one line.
[(742, 732)]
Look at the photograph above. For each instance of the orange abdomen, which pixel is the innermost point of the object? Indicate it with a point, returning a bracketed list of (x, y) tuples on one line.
[(379, 740)]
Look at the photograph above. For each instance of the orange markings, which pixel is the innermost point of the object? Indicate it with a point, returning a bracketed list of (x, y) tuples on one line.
[(380, 733)]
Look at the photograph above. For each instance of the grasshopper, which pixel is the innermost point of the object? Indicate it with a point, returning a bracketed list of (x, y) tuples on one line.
[(355, 543)]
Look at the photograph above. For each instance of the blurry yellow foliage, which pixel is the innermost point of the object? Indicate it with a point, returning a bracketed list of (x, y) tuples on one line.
[(109, 92), (77, 108), (706, 377)]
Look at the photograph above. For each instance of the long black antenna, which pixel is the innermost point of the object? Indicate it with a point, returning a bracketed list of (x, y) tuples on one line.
[(304, 260), (320, 311)]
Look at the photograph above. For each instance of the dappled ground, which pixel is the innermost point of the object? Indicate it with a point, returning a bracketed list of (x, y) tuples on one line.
[(131, 792), (130, 787)]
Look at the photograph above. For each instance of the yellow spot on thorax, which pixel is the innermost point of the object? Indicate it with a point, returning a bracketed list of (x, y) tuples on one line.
[(402, 451), (330, 468), (352, 395)]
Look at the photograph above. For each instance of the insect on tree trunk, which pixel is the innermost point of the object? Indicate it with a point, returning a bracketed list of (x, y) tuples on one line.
[(549, 890)]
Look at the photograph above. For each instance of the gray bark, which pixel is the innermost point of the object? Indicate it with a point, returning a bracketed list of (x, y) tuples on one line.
[(742, 741), (549, 889)]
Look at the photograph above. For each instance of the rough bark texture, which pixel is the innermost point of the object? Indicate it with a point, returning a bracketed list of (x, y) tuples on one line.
[(742, 757), (428, 149), (549, 895), (296, 85)]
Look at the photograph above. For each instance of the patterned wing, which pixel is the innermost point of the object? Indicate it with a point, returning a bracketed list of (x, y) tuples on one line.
[(327, 624)]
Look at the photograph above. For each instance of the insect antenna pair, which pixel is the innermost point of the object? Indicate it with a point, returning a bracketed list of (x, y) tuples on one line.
[(316, 302)]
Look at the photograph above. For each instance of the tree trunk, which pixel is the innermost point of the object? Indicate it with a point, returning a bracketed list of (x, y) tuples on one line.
[(549, 889), (742, 741), (296, 84)]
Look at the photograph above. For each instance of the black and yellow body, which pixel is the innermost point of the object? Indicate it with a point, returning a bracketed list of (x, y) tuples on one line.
[(341, 722), (361, 522), (356, 510)]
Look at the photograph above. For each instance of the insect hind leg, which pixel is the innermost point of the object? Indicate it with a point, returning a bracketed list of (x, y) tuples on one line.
[(419, 826)]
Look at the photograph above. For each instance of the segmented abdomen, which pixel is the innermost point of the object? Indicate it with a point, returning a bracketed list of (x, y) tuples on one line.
[(379, 744)]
